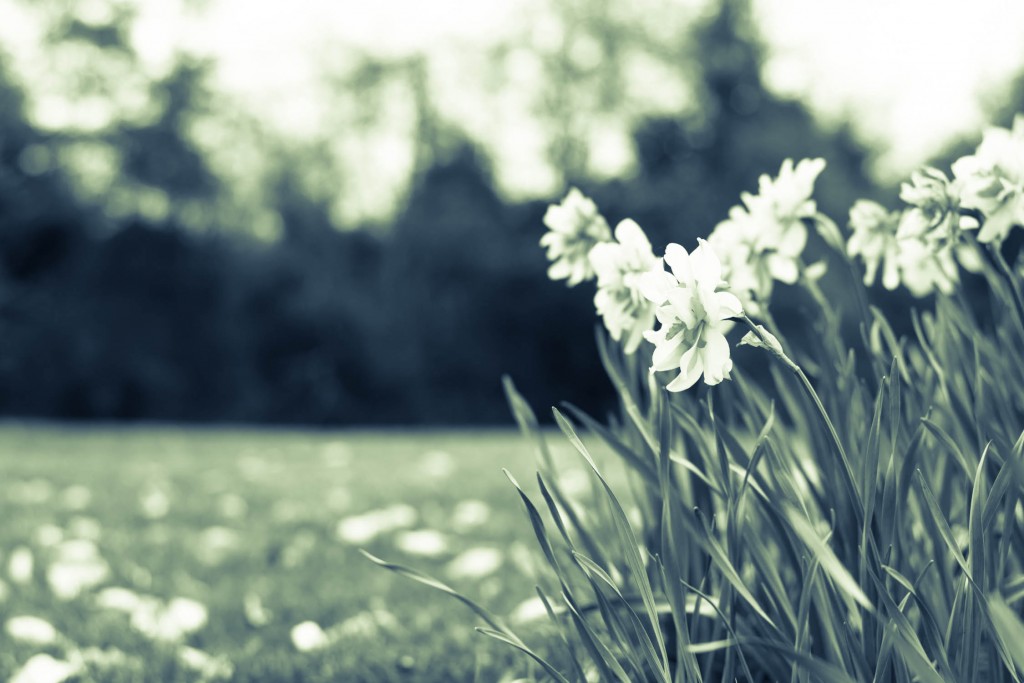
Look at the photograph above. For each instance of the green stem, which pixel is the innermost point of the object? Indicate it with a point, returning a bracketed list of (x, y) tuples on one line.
[(849, 479)]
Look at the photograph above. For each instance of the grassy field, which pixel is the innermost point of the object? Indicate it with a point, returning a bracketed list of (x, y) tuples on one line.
[(261, 528)]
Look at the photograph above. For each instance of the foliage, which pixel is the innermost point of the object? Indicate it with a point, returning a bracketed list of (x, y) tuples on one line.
[(856, 516)]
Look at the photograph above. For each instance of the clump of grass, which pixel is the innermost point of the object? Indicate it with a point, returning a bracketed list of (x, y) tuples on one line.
[(863, 522)]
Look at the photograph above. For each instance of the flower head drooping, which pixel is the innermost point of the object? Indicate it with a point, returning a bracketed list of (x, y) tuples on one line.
[(762, 240), (694, 314), (907, 252), (992, 180), (627, 314), (575, 226), (874, 240), (933, 213)]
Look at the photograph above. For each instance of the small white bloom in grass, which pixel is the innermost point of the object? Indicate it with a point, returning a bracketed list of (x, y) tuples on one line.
[(992, 180), (85, 528), (206, 665), (78, 567), (627, 314), (169, 622), (75, 497), (48, 535), (21, 565), (43, 668), (256, 613), (763, 239), (874, 241), (528, 610), (363, 528), (694, 313), (422, 542), (367, 624), (308, 636), (437, 464), (469, 514), (575, 226), (31, 630), (475, 563), (118, 599), (155, 503), (216, 544)]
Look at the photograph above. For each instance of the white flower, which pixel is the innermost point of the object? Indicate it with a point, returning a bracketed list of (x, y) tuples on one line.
[(924, 269), (992, 180), (903, 246), (789, 195), (762, 241), (874, 240), (694, 314), (574, 227), (934, 212), (626, 312)]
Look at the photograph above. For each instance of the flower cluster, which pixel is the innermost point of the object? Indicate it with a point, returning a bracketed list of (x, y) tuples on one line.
[(619, 266), (991, 180), (575, 226), (763, 239), (904, 245), (921, 245), (692, 303)]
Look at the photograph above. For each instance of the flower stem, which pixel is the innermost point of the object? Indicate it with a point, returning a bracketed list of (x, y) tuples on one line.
[(849, 479)]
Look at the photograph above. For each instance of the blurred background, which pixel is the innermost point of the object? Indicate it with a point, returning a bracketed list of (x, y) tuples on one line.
[(328, 212)]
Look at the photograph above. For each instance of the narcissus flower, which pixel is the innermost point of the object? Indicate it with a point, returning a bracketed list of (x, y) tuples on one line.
[(874, 240), (992, 180), (575, 226), (924, 269), (934, 208), (763, 239), (694, 313), (626, 312), (902, 244)]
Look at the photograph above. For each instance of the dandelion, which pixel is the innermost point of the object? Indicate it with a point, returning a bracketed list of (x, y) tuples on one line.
[(992, 180), (874, 240), (575, 226), (763, 239), (627, 314), (694, 313)]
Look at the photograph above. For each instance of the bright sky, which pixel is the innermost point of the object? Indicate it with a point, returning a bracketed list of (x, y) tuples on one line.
[(910, 73)]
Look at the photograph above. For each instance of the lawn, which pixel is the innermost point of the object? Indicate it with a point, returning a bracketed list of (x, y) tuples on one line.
[(262, 528)]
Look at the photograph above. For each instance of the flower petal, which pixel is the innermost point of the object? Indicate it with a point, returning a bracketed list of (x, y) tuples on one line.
[(707, 269), (679, 261), (717, 363), (690, 369)]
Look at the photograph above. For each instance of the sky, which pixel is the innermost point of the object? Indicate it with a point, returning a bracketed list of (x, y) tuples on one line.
[(910, 74)]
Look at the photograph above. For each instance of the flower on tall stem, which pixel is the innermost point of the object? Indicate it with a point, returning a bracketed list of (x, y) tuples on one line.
[(619, 265), (694, 312), (574, 227), (763, 239), (992, 180), (874, 241), (903, 246)]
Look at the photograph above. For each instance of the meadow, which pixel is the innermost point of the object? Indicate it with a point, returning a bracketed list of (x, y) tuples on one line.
[(167, 554)]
